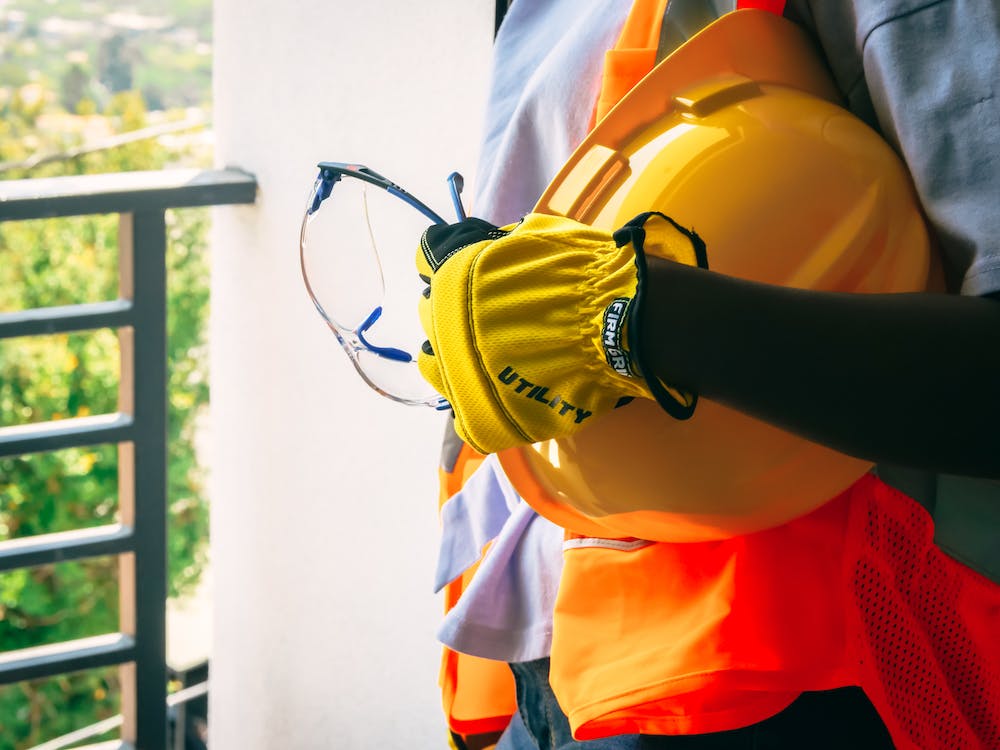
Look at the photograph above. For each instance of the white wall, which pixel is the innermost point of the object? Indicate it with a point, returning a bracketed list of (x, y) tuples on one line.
[(324, 523)]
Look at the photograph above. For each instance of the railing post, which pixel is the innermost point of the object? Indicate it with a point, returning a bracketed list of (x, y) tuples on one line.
[(147, 375)]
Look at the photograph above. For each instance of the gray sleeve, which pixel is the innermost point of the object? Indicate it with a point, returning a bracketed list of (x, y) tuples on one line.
[(927, 72)]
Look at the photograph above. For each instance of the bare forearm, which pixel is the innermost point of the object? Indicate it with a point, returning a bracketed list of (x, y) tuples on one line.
[(912, 379)]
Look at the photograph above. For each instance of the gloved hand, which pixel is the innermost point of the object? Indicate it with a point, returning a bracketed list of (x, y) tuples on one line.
[(532, 327)]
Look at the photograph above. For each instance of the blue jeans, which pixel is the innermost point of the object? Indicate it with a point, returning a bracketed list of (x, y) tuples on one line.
[(829, 720)]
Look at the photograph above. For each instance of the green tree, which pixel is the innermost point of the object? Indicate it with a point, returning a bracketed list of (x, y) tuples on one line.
[(63, 261), (73, 86), (115, 59)]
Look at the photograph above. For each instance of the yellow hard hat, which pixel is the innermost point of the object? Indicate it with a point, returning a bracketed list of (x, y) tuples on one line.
[(739, 135)]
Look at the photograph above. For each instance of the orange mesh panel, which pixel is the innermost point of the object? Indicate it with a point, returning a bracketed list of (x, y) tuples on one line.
[(927, 629)]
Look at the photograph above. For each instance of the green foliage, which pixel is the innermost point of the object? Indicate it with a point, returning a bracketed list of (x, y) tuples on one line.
[(73, 86), (169, 60), (115, 59), (65, 261), (13, 74)]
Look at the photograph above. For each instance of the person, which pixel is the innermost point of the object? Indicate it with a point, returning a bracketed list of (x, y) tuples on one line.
[(902, 380)]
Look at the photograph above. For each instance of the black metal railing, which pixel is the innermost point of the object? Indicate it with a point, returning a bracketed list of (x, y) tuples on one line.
[(138, 428)]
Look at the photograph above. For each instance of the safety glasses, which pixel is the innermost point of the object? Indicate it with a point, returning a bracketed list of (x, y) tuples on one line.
[(357, 264)]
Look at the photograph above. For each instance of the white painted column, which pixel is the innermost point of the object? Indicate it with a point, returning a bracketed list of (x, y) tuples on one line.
[(324, 519)]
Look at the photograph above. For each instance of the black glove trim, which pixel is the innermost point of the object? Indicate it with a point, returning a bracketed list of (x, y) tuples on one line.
[(440, 241), (634, 232)]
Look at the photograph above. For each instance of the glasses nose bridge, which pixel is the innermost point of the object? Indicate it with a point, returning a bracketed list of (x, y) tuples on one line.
[(322, 189), (387, 352)]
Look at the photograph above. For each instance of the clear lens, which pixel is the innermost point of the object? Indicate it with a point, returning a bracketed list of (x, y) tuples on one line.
[(339, 257), (400, 381), (358, 252)]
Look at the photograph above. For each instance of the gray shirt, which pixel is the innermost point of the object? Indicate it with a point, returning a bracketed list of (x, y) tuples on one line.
[(925, 74)]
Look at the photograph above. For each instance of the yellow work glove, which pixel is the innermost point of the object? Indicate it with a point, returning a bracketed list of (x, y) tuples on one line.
[(531, 328)]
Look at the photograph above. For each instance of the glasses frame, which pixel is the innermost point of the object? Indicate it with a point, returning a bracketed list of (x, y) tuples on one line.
[(353, 340)]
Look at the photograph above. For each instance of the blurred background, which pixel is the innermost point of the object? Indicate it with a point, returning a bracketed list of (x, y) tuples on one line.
[(253, 568)]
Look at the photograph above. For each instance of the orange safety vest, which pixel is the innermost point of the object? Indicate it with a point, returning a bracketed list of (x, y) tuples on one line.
[(662, 638)]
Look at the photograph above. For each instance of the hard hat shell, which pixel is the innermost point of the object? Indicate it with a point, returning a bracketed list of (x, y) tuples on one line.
[(739, 135)]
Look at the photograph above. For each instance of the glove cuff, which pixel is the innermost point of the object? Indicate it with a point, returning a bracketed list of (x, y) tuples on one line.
[(677, 402)]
